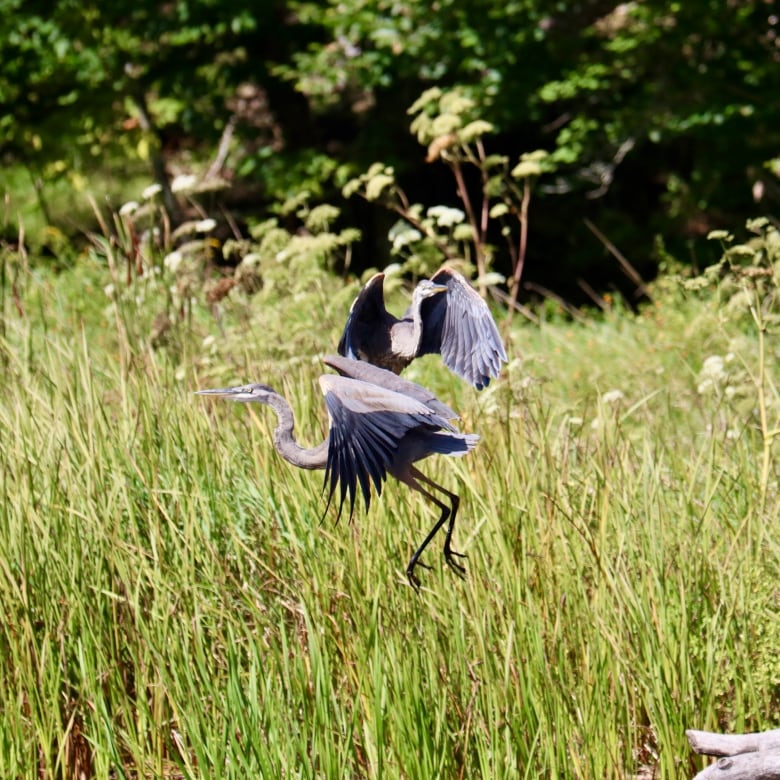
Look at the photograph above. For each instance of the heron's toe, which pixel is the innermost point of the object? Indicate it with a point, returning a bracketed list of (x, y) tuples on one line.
[(413, 579), (449, 556)]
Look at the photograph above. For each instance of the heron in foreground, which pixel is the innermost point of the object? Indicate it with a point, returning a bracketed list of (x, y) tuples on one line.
[(379, 424), (446, 316)]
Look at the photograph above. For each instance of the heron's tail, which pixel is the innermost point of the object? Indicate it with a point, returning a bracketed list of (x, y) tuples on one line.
[(446, 443)]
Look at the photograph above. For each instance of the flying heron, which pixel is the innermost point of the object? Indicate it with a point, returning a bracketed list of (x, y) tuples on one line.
[(379, 424), (446, 316)]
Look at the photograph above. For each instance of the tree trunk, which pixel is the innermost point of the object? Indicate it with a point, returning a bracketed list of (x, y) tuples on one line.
[(156, 156)]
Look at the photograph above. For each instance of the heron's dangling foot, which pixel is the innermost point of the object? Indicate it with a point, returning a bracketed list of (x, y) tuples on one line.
[(413, 579), (449, 556)]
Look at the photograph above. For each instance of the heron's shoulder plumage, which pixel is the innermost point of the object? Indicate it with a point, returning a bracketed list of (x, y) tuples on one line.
[(361, 397), (368, 372)]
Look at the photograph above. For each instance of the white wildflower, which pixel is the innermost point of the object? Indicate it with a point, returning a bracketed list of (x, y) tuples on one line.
[(129, 208), (712, 374), (109, 290), (405, 237), (209, 341), (712, 366), (394, 269), (180, 374), (705, 386), (173, 260), (612, 397), (205, 225), (444, 216), (251, 259), (184, 182), (150, 191)]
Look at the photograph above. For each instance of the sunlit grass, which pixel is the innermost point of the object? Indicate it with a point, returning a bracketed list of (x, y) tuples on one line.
[(176, 607)]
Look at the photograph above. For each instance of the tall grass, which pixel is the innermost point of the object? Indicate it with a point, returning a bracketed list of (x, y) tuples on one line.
[(174, 606)]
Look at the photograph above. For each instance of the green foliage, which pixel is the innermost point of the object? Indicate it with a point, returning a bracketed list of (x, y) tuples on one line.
[(172, 273), (747, 283), (608, 63), (83, 79), (370, 47), (655, 114), (449, 125), (291, 96), (748, 274), (622, 76)]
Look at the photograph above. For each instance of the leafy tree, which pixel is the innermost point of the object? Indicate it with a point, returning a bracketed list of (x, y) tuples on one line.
[(657, 114), (78, 77)]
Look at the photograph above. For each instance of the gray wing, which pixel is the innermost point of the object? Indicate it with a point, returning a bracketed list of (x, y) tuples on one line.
[(367, 323), (367, 423), (459, 326), (383, 378)]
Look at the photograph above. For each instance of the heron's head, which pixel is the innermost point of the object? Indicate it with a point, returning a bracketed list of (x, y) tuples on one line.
[(241, 393), (427, 289)]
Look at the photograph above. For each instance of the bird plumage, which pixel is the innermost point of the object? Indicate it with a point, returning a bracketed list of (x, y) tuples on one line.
[(446, 317), (379, 424)]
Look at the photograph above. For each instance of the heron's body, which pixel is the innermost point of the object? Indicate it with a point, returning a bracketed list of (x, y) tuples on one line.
[(446, 316), (379, 424)]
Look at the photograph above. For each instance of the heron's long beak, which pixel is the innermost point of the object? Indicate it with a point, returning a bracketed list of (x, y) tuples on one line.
[(240, 393), (438, 288), (223, 392)]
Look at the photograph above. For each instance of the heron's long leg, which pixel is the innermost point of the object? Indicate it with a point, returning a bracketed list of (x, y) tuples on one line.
[(413, 479)]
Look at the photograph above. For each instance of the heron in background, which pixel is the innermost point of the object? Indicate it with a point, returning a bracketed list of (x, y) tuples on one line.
[(379, 424), (446, 316)]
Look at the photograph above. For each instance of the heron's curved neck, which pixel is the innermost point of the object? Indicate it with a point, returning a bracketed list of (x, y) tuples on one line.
[(287, 446)]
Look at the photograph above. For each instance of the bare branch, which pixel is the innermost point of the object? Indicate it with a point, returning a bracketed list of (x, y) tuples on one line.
[(628, 269), (522, 244)]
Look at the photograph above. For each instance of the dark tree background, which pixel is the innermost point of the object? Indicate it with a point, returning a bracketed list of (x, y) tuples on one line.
[(662, 118)]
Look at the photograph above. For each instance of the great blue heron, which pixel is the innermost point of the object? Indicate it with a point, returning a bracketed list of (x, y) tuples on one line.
[(446, 316), (379, 424)]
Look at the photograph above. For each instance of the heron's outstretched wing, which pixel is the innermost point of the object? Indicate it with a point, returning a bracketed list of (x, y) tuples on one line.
[(365, 323), (367, 423), (367, 372), (458, 324)]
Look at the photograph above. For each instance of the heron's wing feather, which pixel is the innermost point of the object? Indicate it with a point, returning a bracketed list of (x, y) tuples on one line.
[(367, 423), (458, 324), (368, 372), (366, 313)]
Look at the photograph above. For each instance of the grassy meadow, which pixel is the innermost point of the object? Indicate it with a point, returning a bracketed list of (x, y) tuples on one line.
[(175, 607)]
